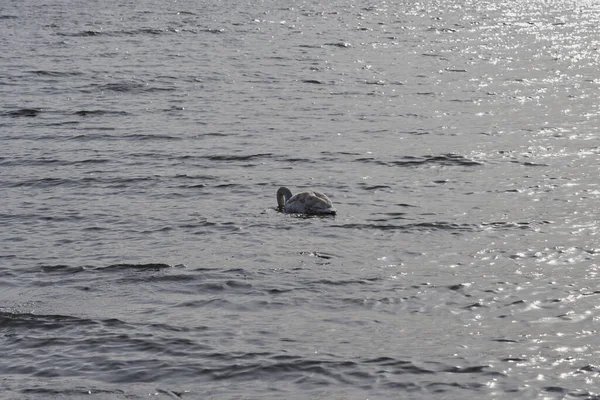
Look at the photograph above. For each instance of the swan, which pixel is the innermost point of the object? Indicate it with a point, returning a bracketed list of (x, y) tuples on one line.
[(310, 203)]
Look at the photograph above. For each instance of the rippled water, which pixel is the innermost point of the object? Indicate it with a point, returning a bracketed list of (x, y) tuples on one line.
[(141, 252)]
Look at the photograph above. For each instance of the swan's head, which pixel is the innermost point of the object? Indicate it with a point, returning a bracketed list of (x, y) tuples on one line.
[(283, 194)]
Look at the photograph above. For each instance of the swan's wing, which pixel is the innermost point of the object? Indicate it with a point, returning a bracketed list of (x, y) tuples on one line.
[(296, 204), (320, 204), (323, 197), (309, 203)]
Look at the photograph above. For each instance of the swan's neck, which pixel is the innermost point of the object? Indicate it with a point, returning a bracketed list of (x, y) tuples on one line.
[(280, 200), (283, 195)]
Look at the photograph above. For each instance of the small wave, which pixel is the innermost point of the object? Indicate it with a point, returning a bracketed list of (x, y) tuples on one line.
[(374, 187), (24, 112), (449, 159), (50, 137), (146, 31), (441, 29), (204, 30), (385, 217), (220, 304), (421, 226), (317, 254), (86, 33), (313, 81), (212, 30), (212, 134), (513, 224), (443, 159), (109, 182), (89, 137), (43, 391), (85, 113), (344, 282), (124, 86), (378, 83), (245, 157), (310, 46), (54, 73), (122, 32), (229, 227), (194, 186), (134, 267), (296, 160), (42, 183), (343, 45), (142, 137), (48, 322), (62, 269), (342, 153), (531, 164), (196, 177)]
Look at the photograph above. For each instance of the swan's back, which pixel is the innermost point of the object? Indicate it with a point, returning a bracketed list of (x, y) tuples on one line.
[(312, 203)]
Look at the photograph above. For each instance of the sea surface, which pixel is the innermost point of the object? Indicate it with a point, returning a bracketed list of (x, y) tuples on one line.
[(141, 251)]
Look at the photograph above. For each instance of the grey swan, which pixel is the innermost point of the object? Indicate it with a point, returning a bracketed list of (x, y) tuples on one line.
[(309, 203)]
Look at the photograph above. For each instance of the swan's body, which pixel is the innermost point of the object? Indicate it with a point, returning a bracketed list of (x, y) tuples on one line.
[(311, 203)]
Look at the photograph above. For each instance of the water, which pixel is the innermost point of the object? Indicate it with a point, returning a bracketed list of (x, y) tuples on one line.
[(141, 252)]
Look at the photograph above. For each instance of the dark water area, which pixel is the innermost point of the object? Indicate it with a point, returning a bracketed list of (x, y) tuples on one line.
[(142, 253)]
